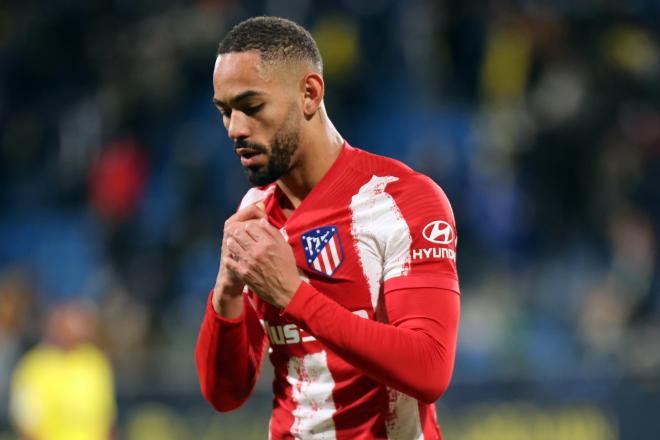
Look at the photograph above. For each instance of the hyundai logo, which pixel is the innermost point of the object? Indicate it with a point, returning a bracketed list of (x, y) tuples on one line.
[(438, 232)]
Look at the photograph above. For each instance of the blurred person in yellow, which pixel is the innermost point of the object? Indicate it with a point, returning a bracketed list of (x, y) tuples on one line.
[(63, 389)]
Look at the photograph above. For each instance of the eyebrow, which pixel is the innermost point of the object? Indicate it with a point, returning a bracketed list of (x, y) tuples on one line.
[(236, 100)]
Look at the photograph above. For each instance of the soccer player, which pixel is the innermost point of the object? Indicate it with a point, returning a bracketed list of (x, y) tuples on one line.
[(342, 261)]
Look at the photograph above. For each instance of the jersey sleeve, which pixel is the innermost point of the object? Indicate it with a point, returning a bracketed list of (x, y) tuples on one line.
[(414, 353), (229, 352), (228, 356), (420, 247)]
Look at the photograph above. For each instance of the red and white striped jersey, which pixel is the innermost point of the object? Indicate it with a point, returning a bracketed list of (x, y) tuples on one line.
[(367, 343)]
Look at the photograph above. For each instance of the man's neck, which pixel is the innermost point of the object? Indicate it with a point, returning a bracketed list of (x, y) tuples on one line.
[(312, 165)]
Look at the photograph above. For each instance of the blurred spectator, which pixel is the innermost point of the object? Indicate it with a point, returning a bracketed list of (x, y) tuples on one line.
[(63, 388), (117, 180)]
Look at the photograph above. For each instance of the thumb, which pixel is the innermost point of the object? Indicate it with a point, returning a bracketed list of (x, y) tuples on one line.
[(251, 212)]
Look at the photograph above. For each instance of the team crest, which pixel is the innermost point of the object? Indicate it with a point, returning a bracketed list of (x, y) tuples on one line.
[(323, 250)]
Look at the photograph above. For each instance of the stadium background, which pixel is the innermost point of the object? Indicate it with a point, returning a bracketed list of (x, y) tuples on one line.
[(541, 120)]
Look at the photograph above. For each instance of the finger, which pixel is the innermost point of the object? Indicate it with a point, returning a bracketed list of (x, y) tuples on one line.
[(235, 249), (250, 212), (232, 265), (269, 229), (241, 236), (255, 230)]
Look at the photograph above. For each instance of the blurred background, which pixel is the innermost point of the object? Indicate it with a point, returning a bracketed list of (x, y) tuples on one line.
[(541, 121)]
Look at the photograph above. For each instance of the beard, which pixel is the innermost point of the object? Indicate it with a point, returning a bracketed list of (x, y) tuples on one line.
[(282, 148)]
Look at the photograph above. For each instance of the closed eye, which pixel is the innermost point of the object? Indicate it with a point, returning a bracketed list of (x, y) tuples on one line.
[(249, 111), (252, 110)]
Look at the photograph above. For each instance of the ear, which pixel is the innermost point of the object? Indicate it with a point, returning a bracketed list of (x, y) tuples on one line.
[(313, 89)]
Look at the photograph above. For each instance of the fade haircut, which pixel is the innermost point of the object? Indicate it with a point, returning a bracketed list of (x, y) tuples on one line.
[(277, 40)]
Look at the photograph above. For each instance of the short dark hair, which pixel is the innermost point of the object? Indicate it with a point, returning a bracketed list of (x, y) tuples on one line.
[(276, 39)]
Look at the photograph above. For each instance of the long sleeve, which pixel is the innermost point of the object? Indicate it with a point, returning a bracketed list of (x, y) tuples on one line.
[(228, 356), (413, 353)]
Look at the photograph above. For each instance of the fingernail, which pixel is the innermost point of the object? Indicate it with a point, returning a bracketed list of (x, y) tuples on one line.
[(261, 206)]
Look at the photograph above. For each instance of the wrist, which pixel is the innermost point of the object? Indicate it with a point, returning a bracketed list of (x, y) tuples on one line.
[(288, 296), (228, 289), (226, 304)]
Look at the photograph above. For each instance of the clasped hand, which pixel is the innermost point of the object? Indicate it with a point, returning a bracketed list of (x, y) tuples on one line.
[(260, 257)]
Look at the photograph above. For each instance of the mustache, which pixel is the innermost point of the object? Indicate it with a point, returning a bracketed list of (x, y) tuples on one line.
[(258, 148)]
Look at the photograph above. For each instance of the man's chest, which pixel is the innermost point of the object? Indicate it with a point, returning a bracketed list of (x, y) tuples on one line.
[(326, 245), (329, 255)]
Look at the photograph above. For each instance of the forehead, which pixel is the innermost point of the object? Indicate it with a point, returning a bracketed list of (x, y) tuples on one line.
[(236, 72)]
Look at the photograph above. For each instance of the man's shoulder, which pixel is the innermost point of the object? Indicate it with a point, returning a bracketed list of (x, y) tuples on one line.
[(407, 179), (371, 162), (37, 360)]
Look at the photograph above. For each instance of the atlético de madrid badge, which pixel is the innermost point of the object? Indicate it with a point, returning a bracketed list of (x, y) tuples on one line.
[(323, 250)]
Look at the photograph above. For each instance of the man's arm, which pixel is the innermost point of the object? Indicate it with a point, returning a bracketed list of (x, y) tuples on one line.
[(228, 356), (413, 354), (231, 340)]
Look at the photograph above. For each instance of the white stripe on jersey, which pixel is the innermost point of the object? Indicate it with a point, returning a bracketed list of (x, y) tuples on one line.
[(383, 242), (380, 233), (333, 250), (402, 421), (311, 390), (326, 261), (255, 195)]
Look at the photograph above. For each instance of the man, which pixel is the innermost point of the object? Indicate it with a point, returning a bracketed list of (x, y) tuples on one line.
[(63, 388), (341, 260)]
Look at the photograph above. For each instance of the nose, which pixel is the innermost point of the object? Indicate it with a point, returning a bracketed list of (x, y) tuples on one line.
[(238, 125)]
